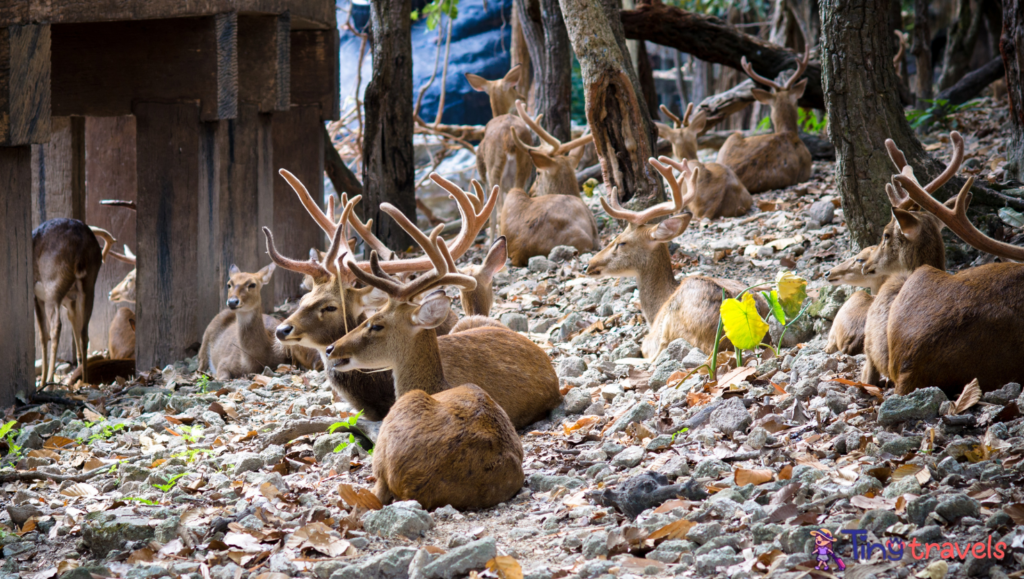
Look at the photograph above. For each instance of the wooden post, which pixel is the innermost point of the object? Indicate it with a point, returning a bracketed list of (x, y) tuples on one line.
[(299, 148), (169, 142), (16, 300)]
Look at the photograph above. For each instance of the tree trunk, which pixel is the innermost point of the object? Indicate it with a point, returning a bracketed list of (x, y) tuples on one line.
[(521, 51), (548, 43), (956, 59), (645, 74), (922, 51), (864, 110), (973, 83), (622, 128), (677, 63), (1011, 45), (388, 170)]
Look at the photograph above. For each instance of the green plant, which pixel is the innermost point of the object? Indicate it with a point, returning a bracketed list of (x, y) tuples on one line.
[(349, 423), (939, 112), (807, 120), (435, 9), (678, 432), (744, 325), (171, 482), (191, 434), (8, 433), (143, 501), (203, 383), (107, 432), (192, 455)]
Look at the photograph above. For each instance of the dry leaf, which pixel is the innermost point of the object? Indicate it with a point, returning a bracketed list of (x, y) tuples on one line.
[(359, 497), (317, 536), (44, 574), (80, 490), (674, 504), (243, 541), (968, 398), (273, 576), (505, 567), (872, 503), (67, 565), (92, 416), (906, 470), (736, 376), (744, 476), (765, 560), (43, 453), (269, 491), (57, 442), (786, 473), (29, 526), (1016, 512), (675, 530), (261, 379), (94, 463), (579, 424), (934, 570), (872, 390), (144, 555)]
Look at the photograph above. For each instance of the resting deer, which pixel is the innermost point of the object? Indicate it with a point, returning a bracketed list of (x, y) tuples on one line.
[(498, 161), (715, 191), (440, 444), (335, 306), (778, 160), (673, 309), (121, 336), (847, 333), (942, 329), (66, 261)]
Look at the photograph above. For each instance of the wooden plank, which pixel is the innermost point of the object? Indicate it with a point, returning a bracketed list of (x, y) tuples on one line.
[(24, 84), (264, 48), (306, 13), (299, 148), (168, 147), (101, 69), (16, 301), (111, 174), (212, 274), (314, 68)]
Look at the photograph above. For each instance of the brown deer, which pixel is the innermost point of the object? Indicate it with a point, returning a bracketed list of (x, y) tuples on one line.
[(778, 160), (125, 290), (66, 261), (684, 131), (445, 441), (688, 309), (121, 336), (336, 306), (711, 190), (498, 161), (236, 341), (555, 161), (847, 333)]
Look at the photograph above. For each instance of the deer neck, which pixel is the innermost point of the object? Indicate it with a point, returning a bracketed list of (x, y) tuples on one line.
[(683, 150), (421, 368), (655, 282), (561, 181), (784, 117), (252, 335)]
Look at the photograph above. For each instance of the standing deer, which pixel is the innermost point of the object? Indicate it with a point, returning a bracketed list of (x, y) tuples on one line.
[(778, 160), (498, 161), (442, 443), (335, 306), (66, 259), (847, 333), (688, 309)]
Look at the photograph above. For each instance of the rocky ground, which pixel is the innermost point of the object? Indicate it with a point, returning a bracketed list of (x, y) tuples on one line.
[(647, 469)]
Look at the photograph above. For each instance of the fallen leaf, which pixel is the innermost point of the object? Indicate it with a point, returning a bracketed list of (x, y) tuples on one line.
[(171, 549), (269, 491), (29, 526), (93, 463), (786, 473), (872, 390), (144, 555), (92, 416), (317, 536), (273, 576), (935, 570), (736, 376), (579, 424), (80, 490), (44, 574), (968, 398), (872, 503), (745, 476), (67, 565), (505, 567), (57, 442), (243, 541), (261, 380), (674, 504), (359, 497), (764, 561), (1016, 512), (906, 470), (674, 530), (44, 453)]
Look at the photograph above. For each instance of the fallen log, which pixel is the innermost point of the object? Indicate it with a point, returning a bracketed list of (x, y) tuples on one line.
[(974, 82)]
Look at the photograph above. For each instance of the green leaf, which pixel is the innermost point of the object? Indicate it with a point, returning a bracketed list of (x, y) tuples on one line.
[(773, 302), (743, 325), (792, 292), (7, 428), (1011, 217)]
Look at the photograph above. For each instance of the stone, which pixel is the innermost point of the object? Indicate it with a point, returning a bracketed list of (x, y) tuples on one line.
[(515, 322), (272, 455), (907, 485), (595, 545), (822, 212), (704, 532), (227, 571), (211, 418), (571, 367), (675, 350), (540, 264), (757, 438), (247, 462), (955, 507), (731, 416), (561, 253), (638, 413), (918, 509), (403, 518), (280, 563), (155, 402), (629, 458), (595, 409), (86, 572), (724, 557), (694, 358), (577, 400), (103, 532), (878, 520), (1003, 396), (325, 444), (669, 551), (948, 466), (660, 442), (922, 404), (610, 391), (901, 445), (540, 483), (391, 564), (711, 468), (460, 561), (21, 513), (662, 373)]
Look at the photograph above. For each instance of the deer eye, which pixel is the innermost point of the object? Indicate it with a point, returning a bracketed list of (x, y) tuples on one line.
[(376, 328), (620, 245), (330, 309), (252, 286)]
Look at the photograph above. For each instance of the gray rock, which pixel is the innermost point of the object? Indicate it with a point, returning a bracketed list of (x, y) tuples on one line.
[(227, 571), (757, 438), (18, 548), (676, 350), (540, 264), (515, 322), (694, 358), (458, 562), (103, 532), (878, 520), (595, 409), (955, 507), (919, 508), (577, 400), (247, 462), (403, 518), (595, 545), (155, 402), (948, 466), (1008, 393), (542, 483), (724, 557), (561, 253), (901, 445), (711, 468), (704, 532), (731, 416), (974, 567), (640, 411), (660, 442), (280, 563), (669, 551), (211, 418), (629, 458), (725, 244), (272, 455), (922, 404), (570, 325), (661, 374), (391, 564), (21, 513), (86, 572), (928, 534), (571, 367), (822, 212), (907, 485)]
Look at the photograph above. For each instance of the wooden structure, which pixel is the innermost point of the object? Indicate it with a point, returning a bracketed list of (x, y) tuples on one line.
[(188, 108)]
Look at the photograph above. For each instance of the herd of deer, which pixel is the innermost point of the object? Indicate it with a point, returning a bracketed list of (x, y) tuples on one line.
[(452, 393)]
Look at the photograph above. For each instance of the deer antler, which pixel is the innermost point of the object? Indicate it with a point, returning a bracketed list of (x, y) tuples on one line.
[(678, 123), (127, 256), (322, 219), (801, 66), (686, 173), (365, 231), (956, 218), (329, 264), (555, 147), (902, 36), (612, 207), (900, 199)]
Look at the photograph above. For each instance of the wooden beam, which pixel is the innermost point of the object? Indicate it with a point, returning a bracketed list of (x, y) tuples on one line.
[(299, 148), (24, 84), (169, 142), (16, 300), (314, 68), (305, 13), (101, 69), (264, 63)]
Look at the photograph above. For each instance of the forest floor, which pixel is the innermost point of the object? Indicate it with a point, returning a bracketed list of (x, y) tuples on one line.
[(175, 475)]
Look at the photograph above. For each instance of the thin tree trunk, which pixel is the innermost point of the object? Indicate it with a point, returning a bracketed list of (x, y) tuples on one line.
[(922, 51), (1011, 45), (645, 74), (548, 43), (388, 170), (520, 50), (963, 36), (677, 64), (622, 127)]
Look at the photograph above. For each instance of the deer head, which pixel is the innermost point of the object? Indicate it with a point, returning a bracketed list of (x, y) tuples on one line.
[(555, 161), (502, 92), (244, 288), (783, 97), (125, 290), (684, 132), (851, 271)]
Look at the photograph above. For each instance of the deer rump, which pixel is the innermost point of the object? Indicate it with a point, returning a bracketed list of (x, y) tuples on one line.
[(947, 329), (536, 225), (767, 162)]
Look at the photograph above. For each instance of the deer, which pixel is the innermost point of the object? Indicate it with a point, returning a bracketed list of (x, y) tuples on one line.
[(498, 160), (121, 336), (445, 441), (779, 159), (942, 329), (335, 306), (66, 259), (847, 332), (673, 309)]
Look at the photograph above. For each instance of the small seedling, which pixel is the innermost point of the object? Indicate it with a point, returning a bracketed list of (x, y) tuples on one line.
[(7, 431), (203, 383), (107, 432), (171, 482), (143, 501), (349, 422), (192, 455), (191, 434), (678, 432)]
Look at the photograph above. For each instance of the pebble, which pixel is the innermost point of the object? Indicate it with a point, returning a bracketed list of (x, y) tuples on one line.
[(731, 416), (404, 518), (922, 404)]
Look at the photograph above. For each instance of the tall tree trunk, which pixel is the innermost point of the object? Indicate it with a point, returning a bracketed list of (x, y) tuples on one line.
[(963, 36), (864, 110), (645, 74), (388, 170), (1011, 45), (548, 43), (922, 51), (624, 135), (677, 64), (521, 51)]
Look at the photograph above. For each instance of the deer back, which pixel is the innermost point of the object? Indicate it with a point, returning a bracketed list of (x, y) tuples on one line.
[(121, 338), (498, 160), (536, 225)]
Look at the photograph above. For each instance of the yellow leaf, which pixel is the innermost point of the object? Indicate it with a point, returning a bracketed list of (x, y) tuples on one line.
[(906, 470), (359, 497), (745, 476), (581, 423), (675, 530), (57, 442), (934, 570), (968, 398), (505, 568), (792, 292), (743, 325)]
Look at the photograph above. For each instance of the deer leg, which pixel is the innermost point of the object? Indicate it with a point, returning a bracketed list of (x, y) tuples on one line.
[(80, 331), (870, 374), (383, 493), (53, 317), (44, 338)]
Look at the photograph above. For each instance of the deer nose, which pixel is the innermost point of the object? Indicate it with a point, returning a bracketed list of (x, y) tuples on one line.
[(233, 303), (329, 350), (283, 331)]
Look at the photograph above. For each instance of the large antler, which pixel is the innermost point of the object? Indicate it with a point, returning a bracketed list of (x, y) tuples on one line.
[(801, 66), (328, 266), (897, 196), (956, 218), (612, 207), (554, 146), (127, 256)]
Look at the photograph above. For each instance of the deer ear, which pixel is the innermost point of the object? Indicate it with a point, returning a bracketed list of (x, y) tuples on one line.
[(798, 89), (374, 299), (671, 228), (664, 131), (266, 272), (764, 97), (131, 322), (512, 78), (699, 121), (495, 260), (906, 223), (543, 161), (233, 269), (478, 82), (432, 312)]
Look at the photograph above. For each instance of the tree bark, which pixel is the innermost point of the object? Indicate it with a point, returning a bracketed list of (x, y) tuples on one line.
[(521, 51), (551, 55), (343, 179), (624, 135), (1011, 46), (956, 59), (388, 169), (712, 40), (922, 51)]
